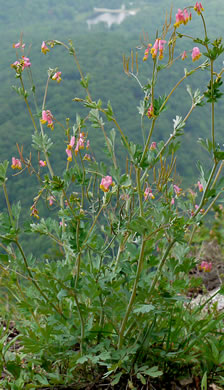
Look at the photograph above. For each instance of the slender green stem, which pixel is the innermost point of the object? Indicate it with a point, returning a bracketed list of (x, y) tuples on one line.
[(148, 140), (27, 104), (204, 24), (213, 111), (81, 323), (138, 170), (35, 282), (160, 267), (133, 294), (45, 93), (8, 203), (217, 175), (206, 189)]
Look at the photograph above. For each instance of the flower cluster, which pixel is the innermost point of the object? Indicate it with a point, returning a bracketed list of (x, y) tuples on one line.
[(182, 17), (18, 45), (34, 211), (57, 77), (205, 266), (177, 190), (198, 8), (20, 65), (16, 163), (106, 182), (47, 117), (148, 194), (80, 143), (158, 45)]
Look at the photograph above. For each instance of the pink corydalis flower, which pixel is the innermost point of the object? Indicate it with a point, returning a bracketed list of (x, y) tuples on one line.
[(205, 266), (62, 224), (18, 44), (47, 117), (147, 50), (177, 189), (69, 154), (172, 201), (196, 54), (198, 8), (57, 76), (51, 200), (42, 163), (150, 112), (200, 186), (182, 17), (158, 45), (184, 55), (148, 194), (153, 146), (44, 48), (71, 143), (16, 163), (25, 62), (80, 143), (201, 211), (87, 144), (87, 157), (106, 182), (34, 211)]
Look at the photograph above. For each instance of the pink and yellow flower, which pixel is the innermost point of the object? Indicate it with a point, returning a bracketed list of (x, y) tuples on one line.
[(198, 8), (51, 200), (177, 189), (106, 182), (150, 112), (69, 154), (148, 194), (146, 54), (182, 17), (44, 48), (80, 143), (18, 44), (34, 211), (42, 163), (70, 147), (184, 55), (47, 117), (200, 186), (158, 45), (205, 266), (87, 157), (153, 146), (16, 163), (57, 76), (196, 54)]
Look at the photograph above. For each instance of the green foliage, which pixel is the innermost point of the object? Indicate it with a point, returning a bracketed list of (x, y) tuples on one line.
[(109, 300)]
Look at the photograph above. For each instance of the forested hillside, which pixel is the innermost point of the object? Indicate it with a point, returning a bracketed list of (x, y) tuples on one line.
[(100, 53)]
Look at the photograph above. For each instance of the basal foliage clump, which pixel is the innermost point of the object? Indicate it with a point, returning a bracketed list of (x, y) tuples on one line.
[(110, 303)]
